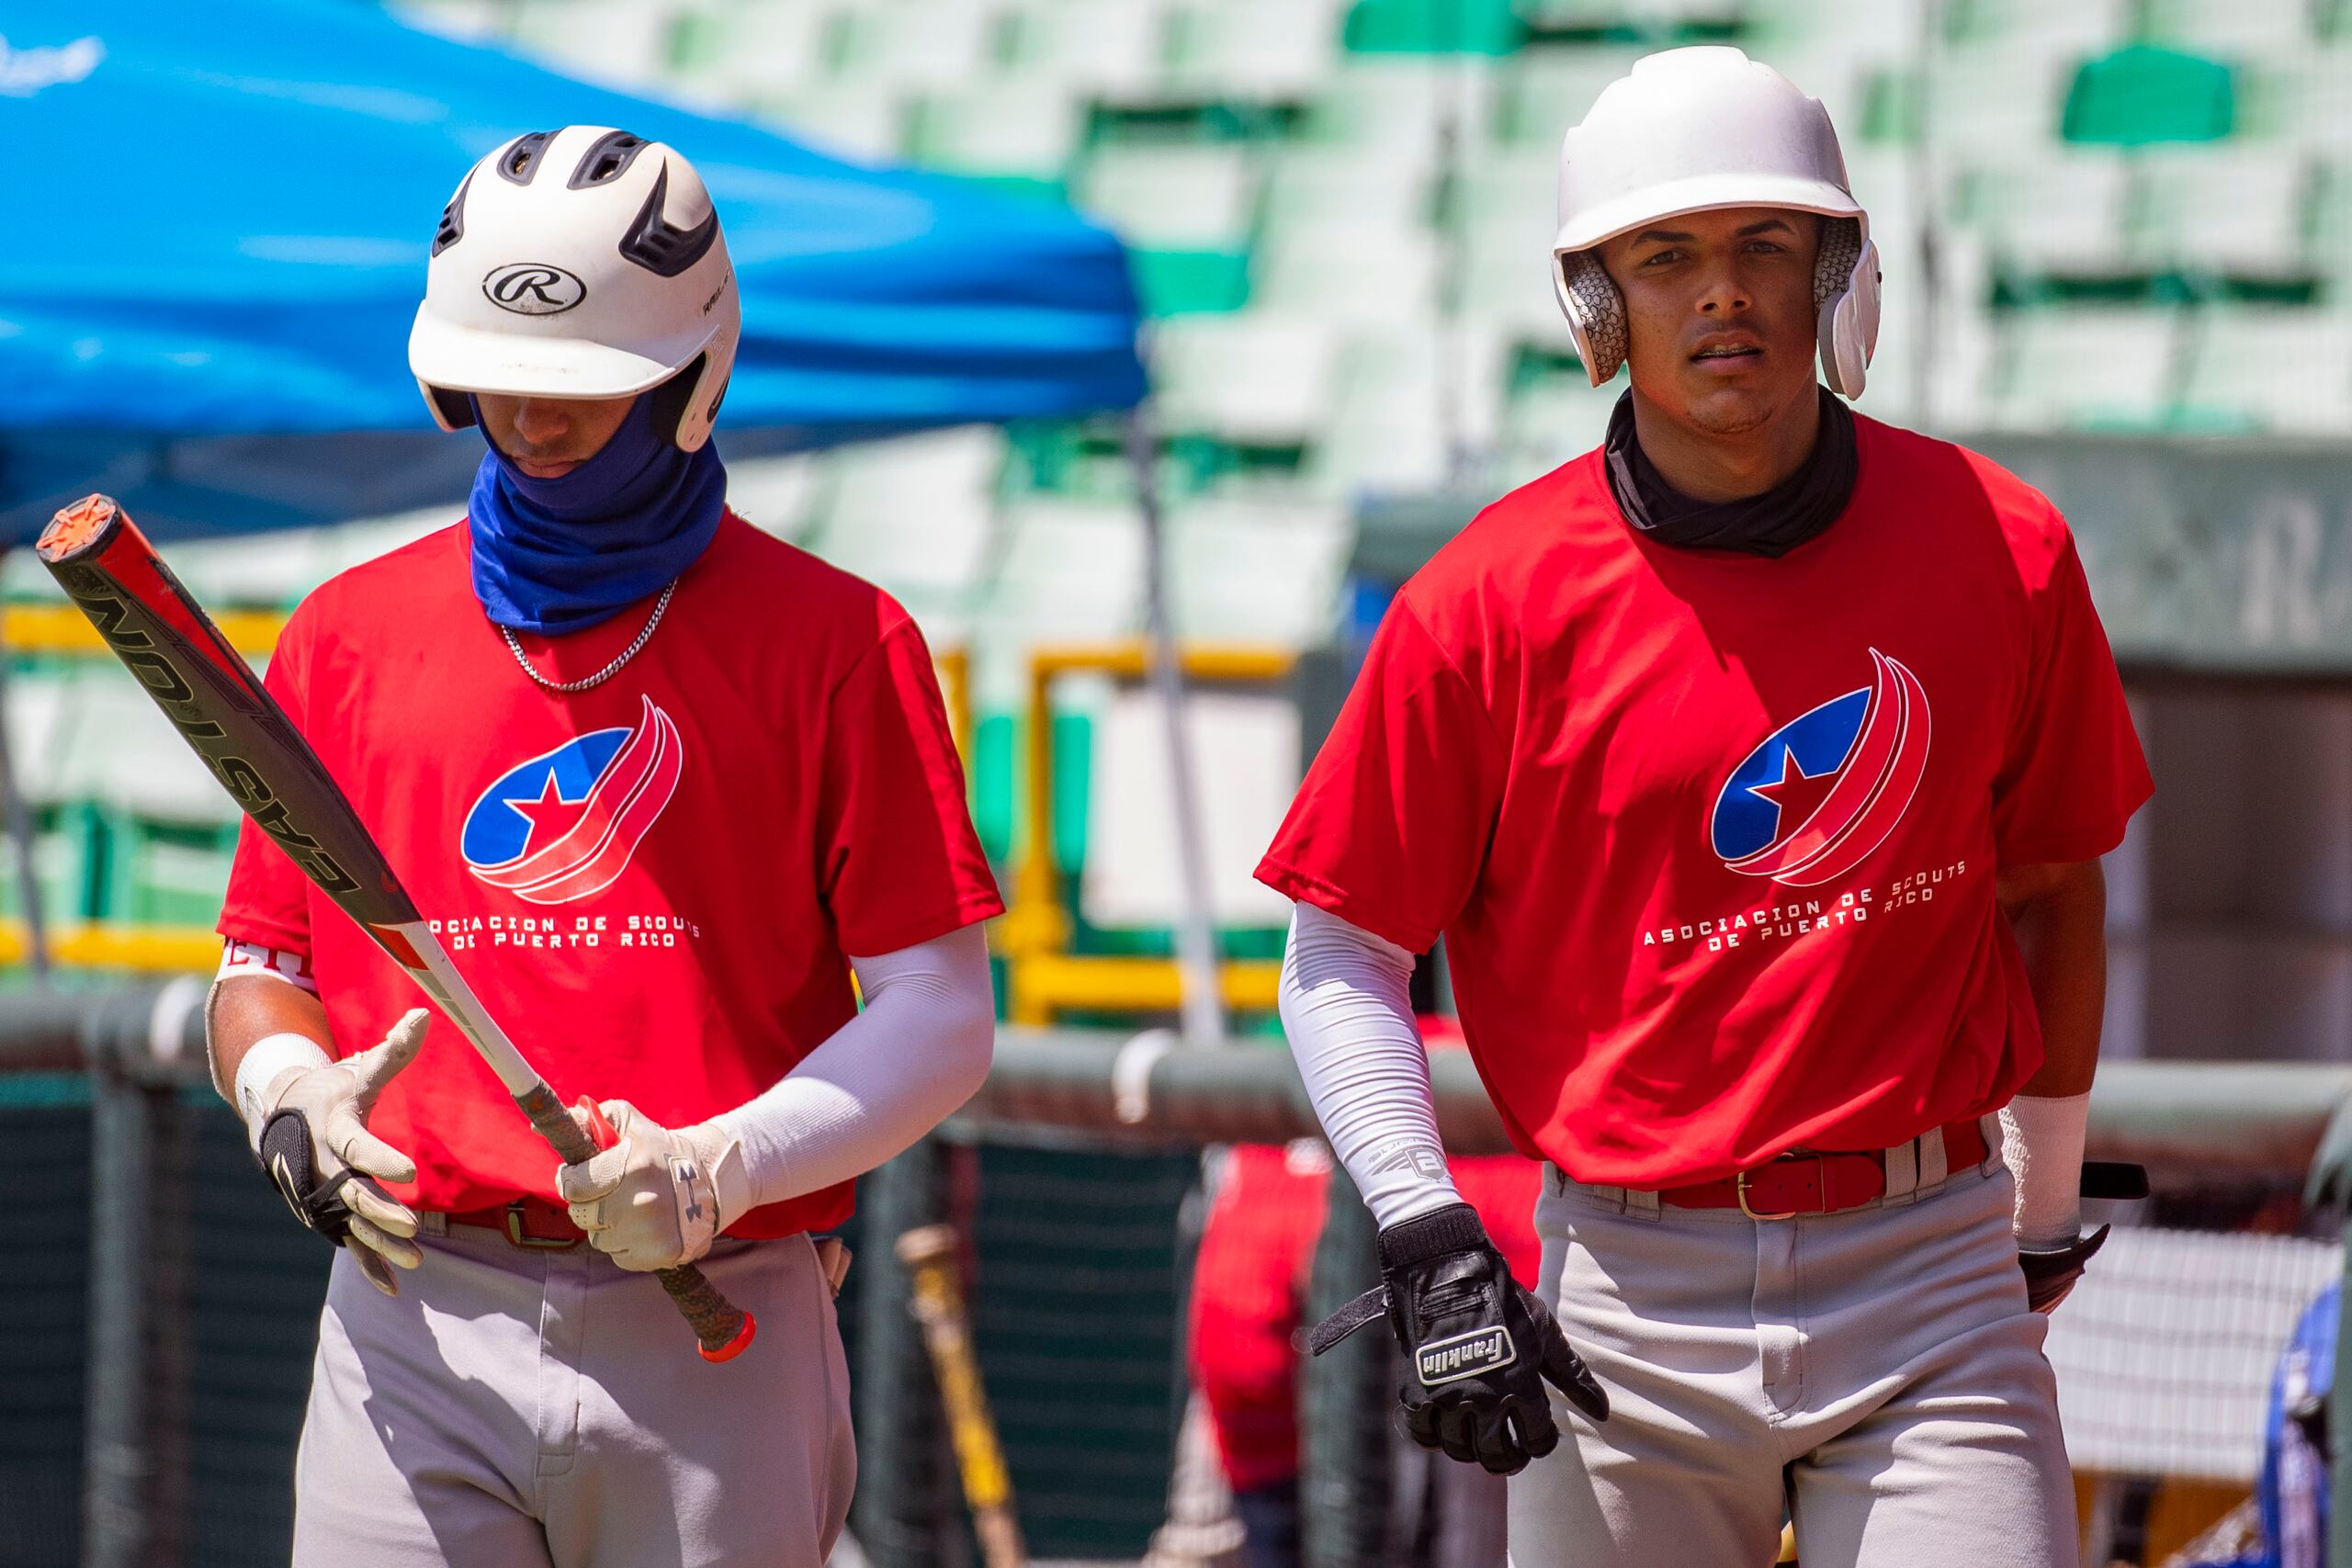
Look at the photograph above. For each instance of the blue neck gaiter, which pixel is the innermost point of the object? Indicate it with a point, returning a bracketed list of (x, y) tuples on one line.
[(554, 556)]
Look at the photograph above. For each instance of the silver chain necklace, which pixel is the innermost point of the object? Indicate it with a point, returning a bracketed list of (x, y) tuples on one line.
[(609, 671)]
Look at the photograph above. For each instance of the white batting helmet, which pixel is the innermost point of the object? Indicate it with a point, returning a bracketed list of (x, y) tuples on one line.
[(1691, 129), (580, 263)]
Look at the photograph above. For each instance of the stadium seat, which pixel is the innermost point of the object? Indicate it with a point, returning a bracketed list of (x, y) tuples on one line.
[(1007, 127), (468, 21), (2231, 27), (1878, 31), (622, 42), (1198, 197), (1504, 280), (1433, 26), (1551, 420), (915, 515), (1990, 99), (115, 747), (2143, 93), (2279, 369), (1258, 571), (1548, 89), (2068, 31), (854, 119), (1257, 378), (1071, 571), (1309, 185), (776, 495), (1114, 50), (2087, 368), (1416, 405), (1403, 105), (2050, 212), (2236, 210), (1371, 273), (916, 44), (2301, 100), (1253, 51), (738, 50)]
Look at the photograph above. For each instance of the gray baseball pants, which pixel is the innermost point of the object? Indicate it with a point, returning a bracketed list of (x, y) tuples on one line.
[(535, 1408), (1876, 1370)]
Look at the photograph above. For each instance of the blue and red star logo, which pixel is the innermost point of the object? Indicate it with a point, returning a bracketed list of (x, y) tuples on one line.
[(563, 825)]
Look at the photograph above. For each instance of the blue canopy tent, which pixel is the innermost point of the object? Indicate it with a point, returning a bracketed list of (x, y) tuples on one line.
[(209, 317)]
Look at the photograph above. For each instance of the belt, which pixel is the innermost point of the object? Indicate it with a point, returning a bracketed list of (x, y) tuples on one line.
[(1809, 1182), (527, 1222)]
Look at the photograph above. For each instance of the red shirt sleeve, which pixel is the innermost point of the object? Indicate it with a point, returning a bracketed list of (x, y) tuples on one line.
[(2073, 773), (270, 898), (1389, 831), (901, 862)]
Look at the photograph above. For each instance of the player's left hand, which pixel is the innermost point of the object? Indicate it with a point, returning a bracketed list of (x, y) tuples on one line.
[(658, 1197), (2051, 1271)]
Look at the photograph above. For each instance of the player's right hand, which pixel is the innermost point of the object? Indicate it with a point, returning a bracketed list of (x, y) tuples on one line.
[(1478, 1346), (316, 1147)]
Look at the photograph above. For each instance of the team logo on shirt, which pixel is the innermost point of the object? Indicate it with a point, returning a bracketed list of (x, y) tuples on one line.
[(1824, 790), (563, 825)]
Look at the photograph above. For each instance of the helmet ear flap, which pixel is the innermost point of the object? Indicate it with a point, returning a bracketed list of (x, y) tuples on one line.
[(1596, 312), (1846, 296), (451, 411)]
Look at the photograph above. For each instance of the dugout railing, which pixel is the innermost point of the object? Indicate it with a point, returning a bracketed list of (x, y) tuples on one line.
[(154, 1342)]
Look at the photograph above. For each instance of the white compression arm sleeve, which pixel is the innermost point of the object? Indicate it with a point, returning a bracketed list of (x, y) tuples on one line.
[(1347, 1007), (918, 1050)]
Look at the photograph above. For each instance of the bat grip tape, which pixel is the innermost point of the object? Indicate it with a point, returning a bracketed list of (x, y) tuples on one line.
[(722, 1330)]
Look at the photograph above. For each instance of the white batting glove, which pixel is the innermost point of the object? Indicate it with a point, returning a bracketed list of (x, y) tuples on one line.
[(310, 1130), (658, 1197)]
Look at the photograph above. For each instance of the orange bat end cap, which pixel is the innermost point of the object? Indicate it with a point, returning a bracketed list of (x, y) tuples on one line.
[(76, 527)]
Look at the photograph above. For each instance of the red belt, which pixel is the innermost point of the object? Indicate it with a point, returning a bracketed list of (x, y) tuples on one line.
[(527, 1222), (1817, 1183)]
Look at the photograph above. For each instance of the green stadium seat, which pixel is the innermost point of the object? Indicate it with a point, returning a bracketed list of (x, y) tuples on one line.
[(916, 44), (2285, 369), (1113, 50), (2051, 212), (1006, 128), (738, 50), (1401, 106), (2231, 27), (1547, 90), (622, 43), (1372, 272), (1433, 26), (169, 875), (2087, 368), (857, 120), (1257, 378), (1180, 283), (2142, 94), (2231, 209), (1252, 51), (1260, 571)]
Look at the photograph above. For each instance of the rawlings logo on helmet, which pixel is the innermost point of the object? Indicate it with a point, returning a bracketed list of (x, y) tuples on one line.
[(534, 289)]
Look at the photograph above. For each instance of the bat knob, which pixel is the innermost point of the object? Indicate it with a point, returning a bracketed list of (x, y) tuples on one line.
[(734, 1346), (75, 528), (601, 1131)]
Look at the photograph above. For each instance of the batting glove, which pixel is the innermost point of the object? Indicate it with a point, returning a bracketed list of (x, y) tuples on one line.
[(2051, 1271), (657, 1198), (316, 1147), (1478, 1345)]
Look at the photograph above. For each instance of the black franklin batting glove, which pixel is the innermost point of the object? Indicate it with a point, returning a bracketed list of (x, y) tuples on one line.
[(1478, 1344), (2051, 1271)]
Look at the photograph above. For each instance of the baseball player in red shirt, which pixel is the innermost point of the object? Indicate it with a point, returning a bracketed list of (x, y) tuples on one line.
[(661, 783), (1756, 767)]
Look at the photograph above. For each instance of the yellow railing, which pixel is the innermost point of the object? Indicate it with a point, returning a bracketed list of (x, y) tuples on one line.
[(110, 945), (61, 628), (1042, 976)]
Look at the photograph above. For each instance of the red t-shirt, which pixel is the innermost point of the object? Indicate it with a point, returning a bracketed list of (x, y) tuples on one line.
[(1711, 836), (766, 787)]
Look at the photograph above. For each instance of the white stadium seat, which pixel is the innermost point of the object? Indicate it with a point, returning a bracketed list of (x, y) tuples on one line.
[(1197, 197), (1266, 52), (1258, 378), (2286, 369), (917, 44), (1116, 49), (2228, 209), (2087, 368)]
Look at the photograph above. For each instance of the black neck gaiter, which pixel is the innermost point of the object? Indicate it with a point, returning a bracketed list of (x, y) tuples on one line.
[(1771, 524)]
